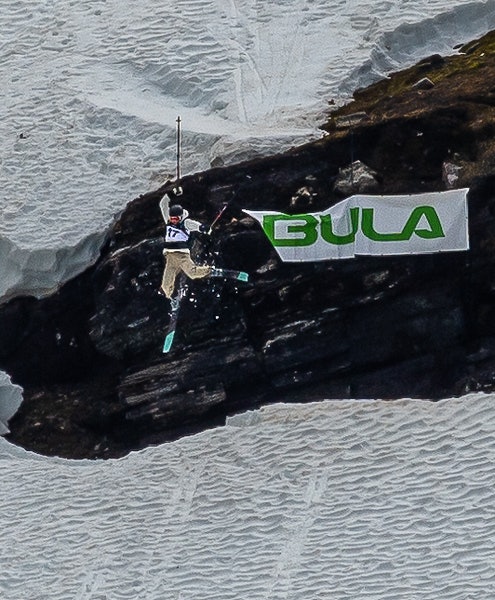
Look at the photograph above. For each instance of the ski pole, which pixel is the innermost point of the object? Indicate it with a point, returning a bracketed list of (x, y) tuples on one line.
[(222, 210), (178, 150)]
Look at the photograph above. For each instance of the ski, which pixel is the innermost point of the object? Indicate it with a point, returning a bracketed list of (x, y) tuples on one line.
[(175, 303), (229, 274), (169, 336)]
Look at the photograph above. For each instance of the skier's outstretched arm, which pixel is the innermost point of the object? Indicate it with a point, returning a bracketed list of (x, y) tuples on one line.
[(194, 225), (164, 206)]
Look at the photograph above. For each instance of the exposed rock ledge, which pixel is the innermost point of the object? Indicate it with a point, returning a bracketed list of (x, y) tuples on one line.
[(89, 357)]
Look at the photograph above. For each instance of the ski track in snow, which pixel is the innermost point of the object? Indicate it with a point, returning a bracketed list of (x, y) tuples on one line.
[(91, 91), (350, 499)]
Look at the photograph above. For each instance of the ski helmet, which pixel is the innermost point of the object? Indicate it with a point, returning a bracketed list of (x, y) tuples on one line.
[(176, 210)]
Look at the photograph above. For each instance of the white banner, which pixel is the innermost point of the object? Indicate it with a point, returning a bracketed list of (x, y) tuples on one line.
[(371, 225)]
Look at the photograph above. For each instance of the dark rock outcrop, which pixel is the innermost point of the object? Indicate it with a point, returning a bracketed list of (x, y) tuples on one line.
[(89, 357)]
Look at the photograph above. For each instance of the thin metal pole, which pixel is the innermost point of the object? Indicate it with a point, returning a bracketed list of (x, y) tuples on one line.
[(178, 149)]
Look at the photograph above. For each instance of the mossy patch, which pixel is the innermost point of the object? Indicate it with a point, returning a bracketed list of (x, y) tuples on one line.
[(471, 58)]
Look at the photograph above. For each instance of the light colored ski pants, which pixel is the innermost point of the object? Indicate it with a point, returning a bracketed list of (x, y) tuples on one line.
[(175, 262)]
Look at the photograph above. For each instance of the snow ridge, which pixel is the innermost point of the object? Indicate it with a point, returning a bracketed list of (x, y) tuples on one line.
[(10, 400), (404, 46)]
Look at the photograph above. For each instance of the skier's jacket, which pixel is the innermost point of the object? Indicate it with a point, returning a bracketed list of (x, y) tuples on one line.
[(177, 234)]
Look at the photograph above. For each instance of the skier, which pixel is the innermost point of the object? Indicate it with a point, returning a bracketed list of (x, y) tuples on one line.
[(178, 259), (176, 252)]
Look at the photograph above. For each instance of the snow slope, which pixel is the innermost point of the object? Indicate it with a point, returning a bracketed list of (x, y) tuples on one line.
[(376, 500), (90, 92)]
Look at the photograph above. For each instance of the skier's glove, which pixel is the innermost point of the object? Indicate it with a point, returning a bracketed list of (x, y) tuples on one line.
[(204, 229)]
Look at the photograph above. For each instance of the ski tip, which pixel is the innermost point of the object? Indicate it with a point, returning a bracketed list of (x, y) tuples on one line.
[(167, 344)]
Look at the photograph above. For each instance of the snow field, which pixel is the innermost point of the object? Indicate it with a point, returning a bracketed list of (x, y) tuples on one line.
[(337, 499)]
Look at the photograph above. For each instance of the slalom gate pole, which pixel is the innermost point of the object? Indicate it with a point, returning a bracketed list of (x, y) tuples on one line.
[(178, 121)]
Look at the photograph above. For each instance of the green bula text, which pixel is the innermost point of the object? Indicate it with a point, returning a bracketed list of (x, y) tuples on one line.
[(308, 228)]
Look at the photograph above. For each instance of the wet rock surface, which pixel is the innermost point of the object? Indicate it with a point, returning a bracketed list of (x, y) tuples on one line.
[(96, 383)]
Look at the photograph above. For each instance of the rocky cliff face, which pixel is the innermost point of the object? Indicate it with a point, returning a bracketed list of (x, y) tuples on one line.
[(89, 357)]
